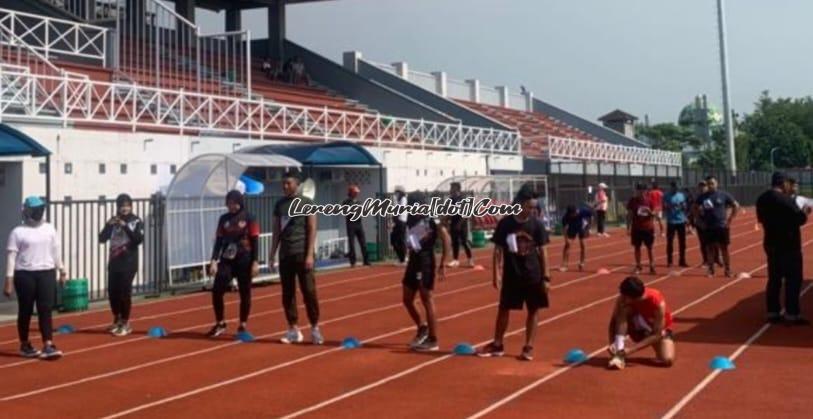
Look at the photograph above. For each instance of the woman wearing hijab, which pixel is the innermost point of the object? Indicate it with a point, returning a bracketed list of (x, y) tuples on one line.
[(234, 255), (34, 257), (125, 232)]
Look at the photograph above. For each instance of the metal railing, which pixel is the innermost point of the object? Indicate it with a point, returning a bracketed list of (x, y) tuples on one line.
[(54, 37), (159, 47), (572, 149), (137, 106), (78, 224)]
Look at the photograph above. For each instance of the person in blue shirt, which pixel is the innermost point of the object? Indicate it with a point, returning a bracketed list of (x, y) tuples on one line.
[(676, 206), (575, 223)]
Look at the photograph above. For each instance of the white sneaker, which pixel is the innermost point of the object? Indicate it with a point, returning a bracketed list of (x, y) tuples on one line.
[(470, 263), (453, 264), (316, 336), (293, 335)]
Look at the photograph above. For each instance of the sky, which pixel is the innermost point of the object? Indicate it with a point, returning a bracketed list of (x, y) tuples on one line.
[(587, 56)]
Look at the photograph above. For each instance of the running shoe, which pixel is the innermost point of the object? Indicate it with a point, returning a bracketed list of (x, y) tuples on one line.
[(652, 270), (423, 333), (617, 362), (50, 352), (316, 336), (453, 264), (470, 263), (527, 353), (217, 330), (637, 270), (581, 267), (293, 335), (28, 351), (563, 269), (124, 329), (710, 271), (728, 273), (113, 326), (429, 344), (491, 350)]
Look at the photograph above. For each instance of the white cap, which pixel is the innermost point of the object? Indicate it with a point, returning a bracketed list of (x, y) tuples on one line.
[(602, 185)]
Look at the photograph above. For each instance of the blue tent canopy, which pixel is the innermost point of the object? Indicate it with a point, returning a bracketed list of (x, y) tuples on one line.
[(338, 153), (16, 143)]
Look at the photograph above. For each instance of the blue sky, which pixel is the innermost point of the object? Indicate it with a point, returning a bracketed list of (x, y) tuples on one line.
[(588, 56)]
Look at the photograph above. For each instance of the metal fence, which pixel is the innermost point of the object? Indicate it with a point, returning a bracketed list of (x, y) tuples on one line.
[(78, 224)]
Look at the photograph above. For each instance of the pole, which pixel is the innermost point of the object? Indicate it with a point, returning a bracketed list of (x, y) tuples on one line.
[(773, 150), (729, 126)]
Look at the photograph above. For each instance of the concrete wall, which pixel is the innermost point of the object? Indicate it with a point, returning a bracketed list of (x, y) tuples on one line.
[(11, 180)]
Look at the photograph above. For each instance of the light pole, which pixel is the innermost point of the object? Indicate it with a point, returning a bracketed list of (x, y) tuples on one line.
[(773, 150), (729, 124)]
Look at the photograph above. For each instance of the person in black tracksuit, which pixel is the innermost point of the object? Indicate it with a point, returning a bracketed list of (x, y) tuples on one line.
[(124, 232), (234, 255), (421, 271), (355, 230), (781, 219), (398, 233), (459, 229)]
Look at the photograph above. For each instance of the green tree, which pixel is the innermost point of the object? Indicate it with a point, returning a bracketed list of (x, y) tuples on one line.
[(783, 124), (668, 136)]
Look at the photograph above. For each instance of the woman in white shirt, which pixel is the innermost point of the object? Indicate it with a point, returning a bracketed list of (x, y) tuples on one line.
[(31, 270)]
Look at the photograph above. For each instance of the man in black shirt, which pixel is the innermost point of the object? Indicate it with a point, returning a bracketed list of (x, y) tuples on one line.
[(781, 220), (521, 272), (398, 233), (459, 229), (295, 238), (125, 232), (355, 230), (712, 209), (419, 277)]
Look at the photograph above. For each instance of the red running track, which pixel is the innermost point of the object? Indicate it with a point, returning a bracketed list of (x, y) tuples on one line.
[(186, 375)]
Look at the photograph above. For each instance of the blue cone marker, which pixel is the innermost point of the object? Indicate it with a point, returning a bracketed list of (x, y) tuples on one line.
[(575, 356), (464, 348), (157, 332), (351, 343), (721, 363), (65, 329), (245, 337)]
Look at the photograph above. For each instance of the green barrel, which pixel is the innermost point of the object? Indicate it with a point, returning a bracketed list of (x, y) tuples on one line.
[(75, 295), (478, 239), (372, 251)]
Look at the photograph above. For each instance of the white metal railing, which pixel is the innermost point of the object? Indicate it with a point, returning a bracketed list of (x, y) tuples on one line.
[(490, 96), (61, 98), (51, 36), (159, 47), (14, 52), (571, 149)]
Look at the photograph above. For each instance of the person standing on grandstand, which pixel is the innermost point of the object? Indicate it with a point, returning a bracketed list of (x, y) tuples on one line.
[(641, 313), (576, 223), (675, 205), (398, 233), (234, 254), (602, 203), (655, 196), (459, 229), (33, 260), (419, 276), (295, 238), (713, 207), (641, 226), (124, 232), (781, 219), (355, 229), (521, 273)]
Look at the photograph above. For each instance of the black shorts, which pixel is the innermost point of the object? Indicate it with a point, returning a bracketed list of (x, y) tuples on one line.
[(420, 273), (639, 237), (573, 234), (513, 296), (717, 235)]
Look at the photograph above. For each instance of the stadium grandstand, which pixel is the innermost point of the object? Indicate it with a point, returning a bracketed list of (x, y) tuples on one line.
[(103, 96)]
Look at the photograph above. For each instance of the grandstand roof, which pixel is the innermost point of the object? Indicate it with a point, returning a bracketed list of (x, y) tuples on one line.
[(243, 4), (15, 143), (618, 115)]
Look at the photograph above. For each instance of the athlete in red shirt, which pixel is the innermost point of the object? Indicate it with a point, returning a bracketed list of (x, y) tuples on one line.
[(655, 196), (641, 314), (640, 226)]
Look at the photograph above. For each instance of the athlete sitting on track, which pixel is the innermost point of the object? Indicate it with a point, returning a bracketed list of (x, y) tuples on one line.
[(641, 314)]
